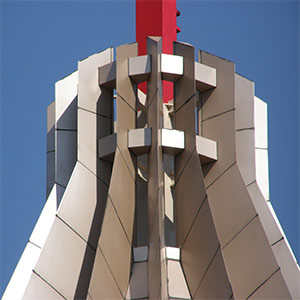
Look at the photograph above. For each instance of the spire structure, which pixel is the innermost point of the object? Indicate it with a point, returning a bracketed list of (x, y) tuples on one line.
[(154, 199)]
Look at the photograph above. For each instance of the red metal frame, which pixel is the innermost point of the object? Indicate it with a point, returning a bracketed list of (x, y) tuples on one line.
[(157, 18)]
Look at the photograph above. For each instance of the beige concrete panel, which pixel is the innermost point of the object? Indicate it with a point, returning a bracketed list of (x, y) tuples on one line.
[(83, 204), (107, 147), (122, 193), (61, 259), (51, 126), (102, 284), (245, 154), (215, 284), (220, 129), (139, 140), (66, 102), (138, 285), (176, 281), (222, 98), (185, 87), (288, 266), (140, 254), (199, 248), (244, 102), (185, 121), (22, 273), (39, 289), (267, 220), (230, 204), (88, 88), (107, 75), (50, 172), (91, 127), (65, 155), (249, 260), (115, 247), (189, 197), (273, 288), (139, 68), (206, 149)]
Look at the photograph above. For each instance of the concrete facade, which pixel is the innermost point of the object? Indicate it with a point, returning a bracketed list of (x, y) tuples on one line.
[(168, 201)]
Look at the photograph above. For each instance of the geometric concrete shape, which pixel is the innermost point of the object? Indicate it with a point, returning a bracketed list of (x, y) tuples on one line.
[(261, 123), (262, 171), (65, 261), (206, 149), (50, 171), (205, 77), (176, 281), (88, 86), (83, 204), (45, 220), (171, 67), (173, 253), (107, 147), (65, 102), (138, 285), (21, 276), (65, 155), (249, 260), (107, 75), (139, 68), (51, 127), (102, 285), (140, 254), (139, 140), (40, 289), (172, 141)]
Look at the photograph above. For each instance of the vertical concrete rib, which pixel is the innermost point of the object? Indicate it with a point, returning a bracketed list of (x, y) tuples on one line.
[(196, 234), (156, 268)]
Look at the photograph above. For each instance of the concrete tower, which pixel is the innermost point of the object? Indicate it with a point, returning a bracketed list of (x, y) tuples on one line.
[(156, 198)]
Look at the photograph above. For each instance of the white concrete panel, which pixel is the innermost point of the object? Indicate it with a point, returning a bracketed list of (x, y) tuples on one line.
[(177, 285), (65, 93), (171, 67), (45, 221), (38, 289), (107, 75), (88, 87), (138, 285), (262, 171), (173, 253), (205, 76), (260, 123), (20, 278), (172, 138), (139, 138), (140, 254), (207, 149)]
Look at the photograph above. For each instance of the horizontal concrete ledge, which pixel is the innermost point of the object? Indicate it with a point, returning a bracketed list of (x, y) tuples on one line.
[(172, 141), (205, 76), (139, 68), (171, 67), (107, 75), (107, 147), (206, 149), (139, 140)]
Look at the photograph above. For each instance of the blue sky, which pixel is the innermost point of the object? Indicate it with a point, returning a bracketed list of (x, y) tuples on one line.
[(41, 42)]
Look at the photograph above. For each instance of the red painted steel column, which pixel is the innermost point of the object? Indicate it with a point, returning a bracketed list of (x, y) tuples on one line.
[(157, 18)]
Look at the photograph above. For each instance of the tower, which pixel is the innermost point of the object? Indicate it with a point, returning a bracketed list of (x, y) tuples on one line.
[(91, 127)]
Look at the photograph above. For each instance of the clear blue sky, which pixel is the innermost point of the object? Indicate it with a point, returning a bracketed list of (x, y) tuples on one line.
[(41, 42)]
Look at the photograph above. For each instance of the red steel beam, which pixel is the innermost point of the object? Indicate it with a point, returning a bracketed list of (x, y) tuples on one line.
[(157, 18)]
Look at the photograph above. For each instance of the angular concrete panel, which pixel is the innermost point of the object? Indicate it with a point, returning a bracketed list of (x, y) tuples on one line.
[(107, 147), (199, 248), (138, 285), (50, 172), (139, 68), (107, 75), (82, 206), (102, 284), (139, 140), (39, 289), (51, 126), (261, 123), (65, 268), (171, 67), (249, 260), (231, 205), (262, 171), (115, 248), (206, 149), (88, 88), (205, 77)]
